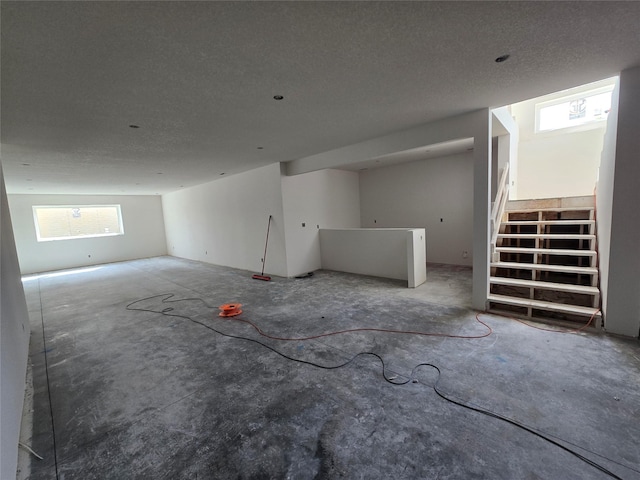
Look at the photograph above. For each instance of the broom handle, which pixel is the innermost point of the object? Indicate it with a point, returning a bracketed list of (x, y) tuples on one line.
[(264, 257)]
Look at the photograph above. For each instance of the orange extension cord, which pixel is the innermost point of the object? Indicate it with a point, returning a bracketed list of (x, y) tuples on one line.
[(576, 330)]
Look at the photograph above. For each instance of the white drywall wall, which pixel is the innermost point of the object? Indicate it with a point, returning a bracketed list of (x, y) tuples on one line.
[(380, 252), (604, 198), (452, 128), (419, 194), (482, 174), (322, 199), (416, 257), (559, 163), (14, 343), (143, 233), (622, 315), (508, 135), (475, 124), (224, 222)]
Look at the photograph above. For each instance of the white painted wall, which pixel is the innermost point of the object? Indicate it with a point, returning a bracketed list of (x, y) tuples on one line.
[(604, 197), (507, 132), (322, 199), (419, 194), (143, 233), (559, 163), (477, 125), (379, 252), (619, 190), (482, 175), (14, 343), (452, 128), (224, 222), (416, 257)]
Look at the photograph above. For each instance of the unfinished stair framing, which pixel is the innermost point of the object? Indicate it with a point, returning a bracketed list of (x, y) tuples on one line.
[(544, 261)]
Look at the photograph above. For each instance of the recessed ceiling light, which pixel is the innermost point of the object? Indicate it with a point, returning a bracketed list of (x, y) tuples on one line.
[(134, 126), (278, 97), (502, 58), (260, 148), (159, 173), (222, 173), (26, 164)]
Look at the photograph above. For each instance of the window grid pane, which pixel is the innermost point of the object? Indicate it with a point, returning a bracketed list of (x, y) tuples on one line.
[(572, 112), (66, 222)]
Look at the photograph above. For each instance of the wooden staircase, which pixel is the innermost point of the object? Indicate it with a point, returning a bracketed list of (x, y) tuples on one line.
[(544, 263)]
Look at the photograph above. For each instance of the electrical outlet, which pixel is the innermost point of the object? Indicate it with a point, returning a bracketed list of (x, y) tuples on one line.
[(465, 254)]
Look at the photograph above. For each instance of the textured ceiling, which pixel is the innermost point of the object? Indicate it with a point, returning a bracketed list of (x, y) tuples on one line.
[(199, 78)]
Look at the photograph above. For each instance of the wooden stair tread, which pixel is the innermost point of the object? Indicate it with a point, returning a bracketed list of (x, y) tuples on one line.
[(561, 287), (550, 222), (549, 209), (541, 305), (547, 251), (532, 216), (547, 268), (552, 236)]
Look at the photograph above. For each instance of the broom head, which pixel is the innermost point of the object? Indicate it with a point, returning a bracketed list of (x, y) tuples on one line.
[(264, 278)]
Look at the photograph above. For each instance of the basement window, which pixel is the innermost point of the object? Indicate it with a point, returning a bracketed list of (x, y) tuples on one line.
[(580, 111), (65, 222)]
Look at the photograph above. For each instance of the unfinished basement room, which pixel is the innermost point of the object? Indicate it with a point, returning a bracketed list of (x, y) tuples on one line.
[(320, 240)]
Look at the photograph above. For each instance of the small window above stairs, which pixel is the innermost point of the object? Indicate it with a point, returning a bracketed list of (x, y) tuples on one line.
[(544, 265)]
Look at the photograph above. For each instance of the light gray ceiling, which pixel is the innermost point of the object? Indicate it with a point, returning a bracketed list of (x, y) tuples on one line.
[(199, 79)]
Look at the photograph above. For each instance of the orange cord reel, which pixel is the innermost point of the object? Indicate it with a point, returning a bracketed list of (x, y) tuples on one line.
[(230, 309)]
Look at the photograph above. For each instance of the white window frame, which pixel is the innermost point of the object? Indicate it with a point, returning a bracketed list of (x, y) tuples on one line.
[(568, 98), (75, 237)]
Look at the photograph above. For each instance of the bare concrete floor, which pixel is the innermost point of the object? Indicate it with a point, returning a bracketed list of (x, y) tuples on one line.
[(158, 394)]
